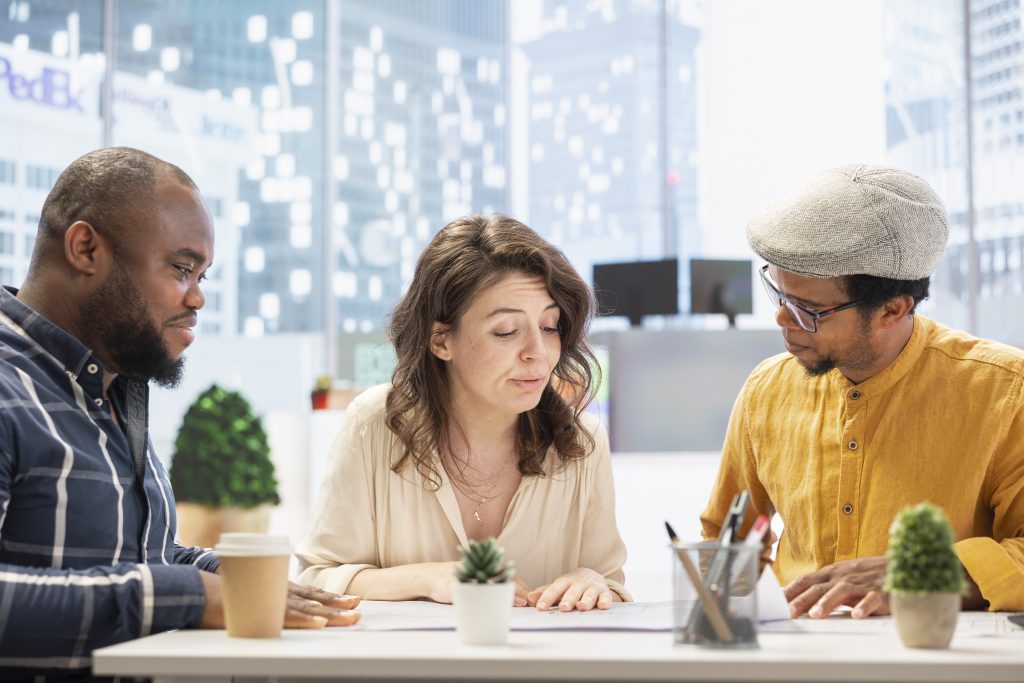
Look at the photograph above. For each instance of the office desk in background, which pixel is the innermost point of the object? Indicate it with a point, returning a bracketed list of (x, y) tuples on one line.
[(845, 652)]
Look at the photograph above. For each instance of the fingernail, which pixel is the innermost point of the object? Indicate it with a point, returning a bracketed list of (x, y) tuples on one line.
[(542, 605), (520, 602), (816, 612)]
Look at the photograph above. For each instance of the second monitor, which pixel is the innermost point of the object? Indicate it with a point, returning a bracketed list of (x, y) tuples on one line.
[(637, 288), (721, 286)]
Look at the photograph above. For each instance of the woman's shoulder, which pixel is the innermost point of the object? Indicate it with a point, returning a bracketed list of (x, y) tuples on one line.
[(368, 406), (594, 428)]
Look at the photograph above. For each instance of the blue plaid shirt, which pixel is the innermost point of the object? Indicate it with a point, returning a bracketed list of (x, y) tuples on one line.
[(87, 551)]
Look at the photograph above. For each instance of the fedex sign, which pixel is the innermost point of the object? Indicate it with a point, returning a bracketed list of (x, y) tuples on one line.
[(35, 78)]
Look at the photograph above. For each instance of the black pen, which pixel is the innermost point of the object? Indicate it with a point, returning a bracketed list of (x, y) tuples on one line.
[(707, 600)]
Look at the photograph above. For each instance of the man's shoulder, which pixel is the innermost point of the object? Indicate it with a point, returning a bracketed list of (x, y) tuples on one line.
[(780, 367), (956, 347), (17, 354)]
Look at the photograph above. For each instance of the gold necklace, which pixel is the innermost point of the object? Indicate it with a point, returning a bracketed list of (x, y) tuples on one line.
[(472, 495), (470, 492)]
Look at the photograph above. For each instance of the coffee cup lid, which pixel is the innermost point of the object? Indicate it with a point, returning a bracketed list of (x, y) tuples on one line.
[(238, 544)]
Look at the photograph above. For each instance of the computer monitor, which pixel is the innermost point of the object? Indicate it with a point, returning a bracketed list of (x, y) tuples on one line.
[(720, 286), (637, 288)]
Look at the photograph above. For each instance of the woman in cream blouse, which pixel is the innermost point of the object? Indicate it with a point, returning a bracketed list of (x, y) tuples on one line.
[(481, 433)]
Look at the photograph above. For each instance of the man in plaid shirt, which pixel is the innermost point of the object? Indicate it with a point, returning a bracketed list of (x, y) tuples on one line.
[(87, 551)]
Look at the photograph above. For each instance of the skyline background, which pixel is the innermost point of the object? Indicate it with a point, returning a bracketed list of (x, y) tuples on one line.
[(333, 139)]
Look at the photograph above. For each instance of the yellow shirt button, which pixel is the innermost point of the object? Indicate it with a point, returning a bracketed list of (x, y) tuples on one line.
[(852, 445), (848, 509)]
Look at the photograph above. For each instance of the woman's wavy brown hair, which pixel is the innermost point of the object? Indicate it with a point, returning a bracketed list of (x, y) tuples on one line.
[(466, 256)]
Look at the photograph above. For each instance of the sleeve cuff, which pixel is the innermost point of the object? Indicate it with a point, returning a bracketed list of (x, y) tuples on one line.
[(172, 597), (208, 562), (997, 576), (334, 579)]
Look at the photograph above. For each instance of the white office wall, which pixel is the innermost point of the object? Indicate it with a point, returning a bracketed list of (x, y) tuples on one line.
[(791, 88)]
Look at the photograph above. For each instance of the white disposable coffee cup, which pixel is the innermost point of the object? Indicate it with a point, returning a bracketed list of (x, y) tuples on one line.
[(254, 581)]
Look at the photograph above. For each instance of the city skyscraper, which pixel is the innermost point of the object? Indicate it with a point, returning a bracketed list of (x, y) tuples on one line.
[(612, 131), (927, 132)]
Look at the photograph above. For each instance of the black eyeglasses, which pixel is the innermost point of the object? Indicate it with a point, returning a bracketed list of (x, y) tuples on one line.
[(805, 318)]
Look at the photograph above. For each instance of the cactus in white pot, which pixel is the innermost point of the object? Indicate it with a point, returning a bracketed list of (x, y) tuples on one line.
[(483, 594)]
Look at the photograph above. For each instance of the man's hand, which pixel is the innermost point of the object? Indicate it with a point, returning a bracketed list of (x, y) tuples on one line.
[(307, 607), (581, 589), (213, 606), (857, 583), (310, 607)]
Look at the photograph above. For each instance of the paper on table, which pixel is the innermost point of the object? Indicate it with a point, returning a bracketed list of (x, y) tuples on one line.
[(623, 616), (771, 601), (968, 625), (425, 616)]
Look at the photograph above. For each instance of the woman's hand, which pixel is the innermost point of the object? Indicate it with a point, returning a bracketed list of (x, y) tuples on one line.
[(521, 598), (581, 589), (436, 580)]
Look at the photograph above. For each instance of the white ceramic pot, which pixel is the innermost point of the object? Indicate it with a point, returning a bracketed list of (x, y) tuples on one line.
[(925, 620), (483, 612)]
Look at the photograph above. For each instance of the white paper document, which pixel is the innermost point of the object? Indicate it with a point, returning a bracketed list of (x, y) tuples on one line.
[(623, 616), (968, 625)]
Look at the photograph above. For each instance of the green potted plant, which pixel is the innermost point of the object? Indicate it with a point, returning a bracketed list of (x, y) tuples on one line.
[(221, 473), (483, 593), (923, 577)]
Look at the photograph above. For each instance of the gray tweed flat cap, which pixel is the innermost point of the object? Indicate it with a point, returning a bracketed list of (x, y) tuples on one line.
[(855, 220)]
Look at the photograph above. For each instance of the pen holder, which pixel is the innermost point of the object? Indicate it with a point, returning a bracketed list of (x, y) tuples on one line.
[(714, 594)]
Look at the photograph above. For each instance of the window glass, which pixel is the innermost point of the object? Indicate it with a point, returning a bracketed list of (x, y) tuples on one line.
[(51, 68)]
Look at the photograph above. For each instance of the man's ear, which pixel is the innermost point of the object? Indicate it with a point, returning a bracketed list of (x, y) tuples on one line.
[(439, 333), (84, 248), (896, 309)]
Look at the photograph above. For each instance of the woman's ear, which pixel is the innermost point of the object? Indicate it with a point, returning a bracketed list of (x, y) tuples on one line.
[(439, 338)]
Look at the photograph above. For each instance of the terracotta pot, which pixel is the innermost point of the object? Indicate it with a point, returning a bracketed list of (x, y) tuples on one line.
[(320, 399), (483, 612), (201, 525), (925, 620)]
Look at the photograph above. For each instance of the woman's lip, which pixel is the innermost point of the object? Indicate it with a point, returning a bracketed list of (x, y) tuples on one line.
[(529, 382)]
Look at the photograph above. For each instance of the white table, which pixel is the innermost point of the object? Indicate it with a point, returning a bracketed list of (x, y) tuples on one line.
[(561, 656)]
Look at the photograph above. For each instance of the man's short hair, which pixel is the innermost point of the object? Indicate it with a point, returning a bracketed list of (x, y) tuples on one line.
[(872, 292), (105, 188)]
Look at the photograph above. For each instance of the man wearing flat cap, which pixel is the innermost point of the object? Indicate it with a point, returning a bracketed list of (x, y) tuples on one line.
[(873, 407)]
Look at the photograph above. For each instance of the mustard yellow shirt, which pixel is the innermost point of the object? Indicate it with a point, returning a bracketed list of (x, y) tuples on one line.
[(943, 423)]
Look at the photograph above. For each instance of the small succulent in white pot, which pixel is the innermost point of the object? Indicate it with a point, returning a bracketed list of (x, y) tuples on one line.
[(483, 594), (924, 577)]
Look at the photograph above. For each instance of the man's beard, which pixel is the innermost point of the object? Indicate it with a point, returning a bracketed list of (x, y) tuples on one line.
[(122, 328), (858, 355)]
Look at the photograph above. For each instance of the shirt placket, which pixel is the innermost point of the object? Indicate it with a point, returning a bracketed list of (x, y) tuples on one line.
[(850, 466)]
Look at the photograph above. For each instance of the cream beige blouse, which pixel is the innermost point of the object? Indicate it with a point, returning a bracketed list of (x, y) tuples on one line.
[(369, 516)]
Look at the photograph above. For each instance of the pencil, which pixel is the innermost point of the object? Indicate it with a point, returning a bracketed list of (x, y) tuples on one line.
[(711, 608)]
